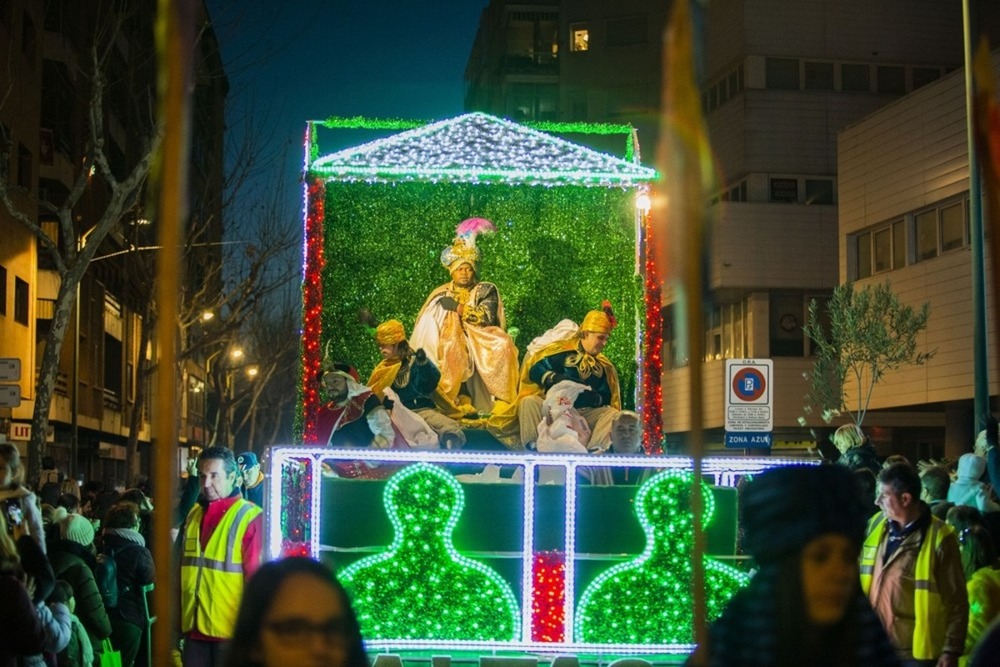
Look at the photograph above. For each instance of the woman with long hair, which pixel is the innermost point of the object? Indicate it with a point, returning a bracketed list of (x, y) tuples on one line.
[(295, 612), (22, 631), (804, 526)]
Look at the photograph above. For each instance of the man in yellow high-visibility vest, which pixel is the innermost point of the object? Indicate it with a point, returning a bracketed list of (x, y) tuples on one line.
[(911, 570), (220, 548)]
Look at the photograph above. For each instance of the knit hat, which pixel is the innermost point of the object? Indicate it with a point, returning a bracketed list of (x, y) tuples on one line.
[(785, 508), (390, 332), (76, 528)]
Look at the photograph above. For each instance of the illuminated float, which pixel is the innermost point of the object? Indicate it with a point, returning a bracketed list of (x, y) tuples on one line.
[(438, 555)]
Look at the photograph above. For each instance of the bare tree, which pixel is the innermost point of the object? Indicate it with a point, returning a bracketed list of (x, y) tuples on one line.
[(118, 188)]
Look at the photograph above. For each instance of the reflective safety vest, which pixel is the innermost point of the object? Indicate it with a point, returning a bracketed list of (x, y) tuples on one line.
[(212, 580), (930, 623)]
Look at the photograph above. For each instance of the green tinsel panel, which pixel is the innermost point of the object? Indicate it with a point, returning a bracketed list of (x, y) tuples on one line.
[(557, 253)]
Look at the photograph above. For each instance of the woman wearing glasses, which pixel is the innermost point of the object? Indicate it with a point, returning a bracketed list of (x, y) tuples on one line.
[(294, 612)]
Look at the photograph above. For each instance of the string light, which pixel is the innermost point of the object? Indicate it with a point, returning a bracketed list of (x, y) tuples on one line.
[(478, 148), (652, 375), (286, 500), (421, 587), (647, 600)]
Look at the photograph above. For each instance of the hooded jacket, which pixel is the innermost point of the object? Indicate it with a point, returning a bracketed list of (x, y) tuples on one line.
[(967, 489)]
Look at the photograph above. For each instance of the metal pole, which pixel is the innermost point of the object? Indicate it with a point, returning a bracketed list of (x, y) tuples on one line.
[(977, 241), (74, 434)]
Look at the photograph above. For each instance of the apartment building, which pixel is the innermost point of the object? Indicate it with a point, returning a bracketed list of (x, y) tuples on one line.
[(904, 218), (780, 80), (45, 118)]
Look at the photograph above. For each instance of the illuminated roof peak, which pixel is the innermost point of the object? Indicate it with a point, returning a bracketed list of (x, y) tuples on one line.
[(479, 148)]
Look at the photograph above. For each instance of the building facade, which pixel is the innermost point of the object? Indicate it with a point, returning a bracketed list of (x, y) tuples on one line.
[(904, 219), (780, 80), (44, 121)]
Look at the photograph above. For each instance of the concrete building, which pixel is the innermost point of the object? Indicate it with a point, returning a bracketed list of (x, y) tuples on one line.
[(904, 218), (44, 122), (780, 81)]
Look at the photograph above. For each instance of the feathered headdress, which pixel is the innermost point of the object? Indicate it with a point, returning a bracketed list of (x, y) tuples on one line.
[(463, 249)]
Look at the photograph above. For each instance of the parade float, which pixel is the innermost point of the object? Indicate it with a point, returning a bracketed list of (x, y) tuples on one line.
[(489, 551)]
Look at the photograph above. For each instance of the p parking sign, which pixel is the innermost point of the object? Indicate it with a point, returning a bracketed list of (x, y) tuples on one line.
[(749, 409)]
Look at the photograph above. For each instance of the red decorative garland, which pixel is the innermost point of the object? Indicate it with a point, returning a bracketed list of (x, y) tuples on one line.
[(652, 350), (548, 602), (312, 308)]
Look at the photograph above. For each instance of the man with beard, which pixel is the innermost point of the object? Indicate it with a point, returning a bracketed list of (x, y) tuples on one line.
[(351, 415)]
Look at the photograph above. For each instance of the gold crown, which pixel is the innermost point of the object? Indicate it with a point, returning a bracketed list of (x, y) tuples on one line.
[(459, 253)]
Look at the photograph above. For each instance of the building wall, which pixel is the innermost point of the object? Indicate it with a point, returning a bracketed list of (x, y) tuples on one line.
[(903, 159)]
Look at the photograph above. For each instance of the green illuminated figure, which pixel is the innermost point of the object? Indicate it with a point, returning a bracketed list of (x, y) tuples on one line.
[(647, 600), (421, 588)]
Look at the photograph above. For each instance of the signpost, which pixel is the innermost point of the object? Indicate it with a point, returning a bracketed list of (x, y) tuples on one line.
[(749, 403), (10, 371)]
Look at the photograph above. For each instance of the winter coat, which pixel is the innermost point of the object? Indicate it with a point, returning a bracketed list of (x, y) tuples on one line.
[(58, 630), (967, 489), (75, 564), (861, 457), (135, 570), (37, 566), (21, 630), (79, 652)]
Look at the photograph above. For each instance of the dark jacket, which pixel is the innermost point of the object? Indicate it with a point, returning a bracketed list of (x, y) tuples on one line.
[(135, 570), (21, 631), (862, 456), (36, 565), (75, 565)]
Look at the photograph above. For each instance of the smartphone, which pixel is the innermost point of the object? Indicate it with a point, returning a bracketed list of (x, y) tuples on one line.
[(13, 514)]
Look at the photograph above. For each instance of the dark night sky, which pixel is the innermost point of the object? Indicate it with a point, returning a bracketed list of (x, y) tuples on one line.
[(293, 61)]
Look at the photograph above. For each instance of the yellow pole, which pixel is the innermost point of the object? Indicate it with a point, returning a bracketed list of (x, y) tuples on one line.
[(174, 40), (686, 171)]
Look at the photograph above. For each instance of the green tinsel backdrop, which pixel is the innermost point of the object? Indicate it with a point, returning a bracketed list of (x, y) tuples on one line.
[(557, 253)]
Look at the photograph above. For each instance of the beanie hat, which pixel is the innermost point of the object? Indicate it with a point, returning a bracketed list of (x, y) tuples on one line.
[(784, 508), (76, 528)]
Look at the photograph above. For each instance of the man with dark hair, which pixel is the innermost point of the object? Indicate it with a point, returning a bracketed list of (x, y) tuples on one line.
[(911, 570), (935, 481), (221, 542), (351, 414)]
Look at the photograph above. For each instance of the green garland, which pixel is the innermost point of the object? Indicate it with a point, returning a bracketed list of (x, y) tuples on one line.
[(557, 253)]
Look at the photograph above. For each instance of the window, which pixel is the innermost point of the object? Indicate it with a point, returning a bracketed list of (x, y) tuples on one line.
[(898, 244), (925, 225), (881, 249), (924, 75), (23, 167), (952, 227), (626, 31), (891, 79), (29, 38), (782, 73), (819, 191), (864, 251), (579, 37), (785, 189), (819, 76), (20, 301), (785, 325), (855, 78), (3, 290)]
